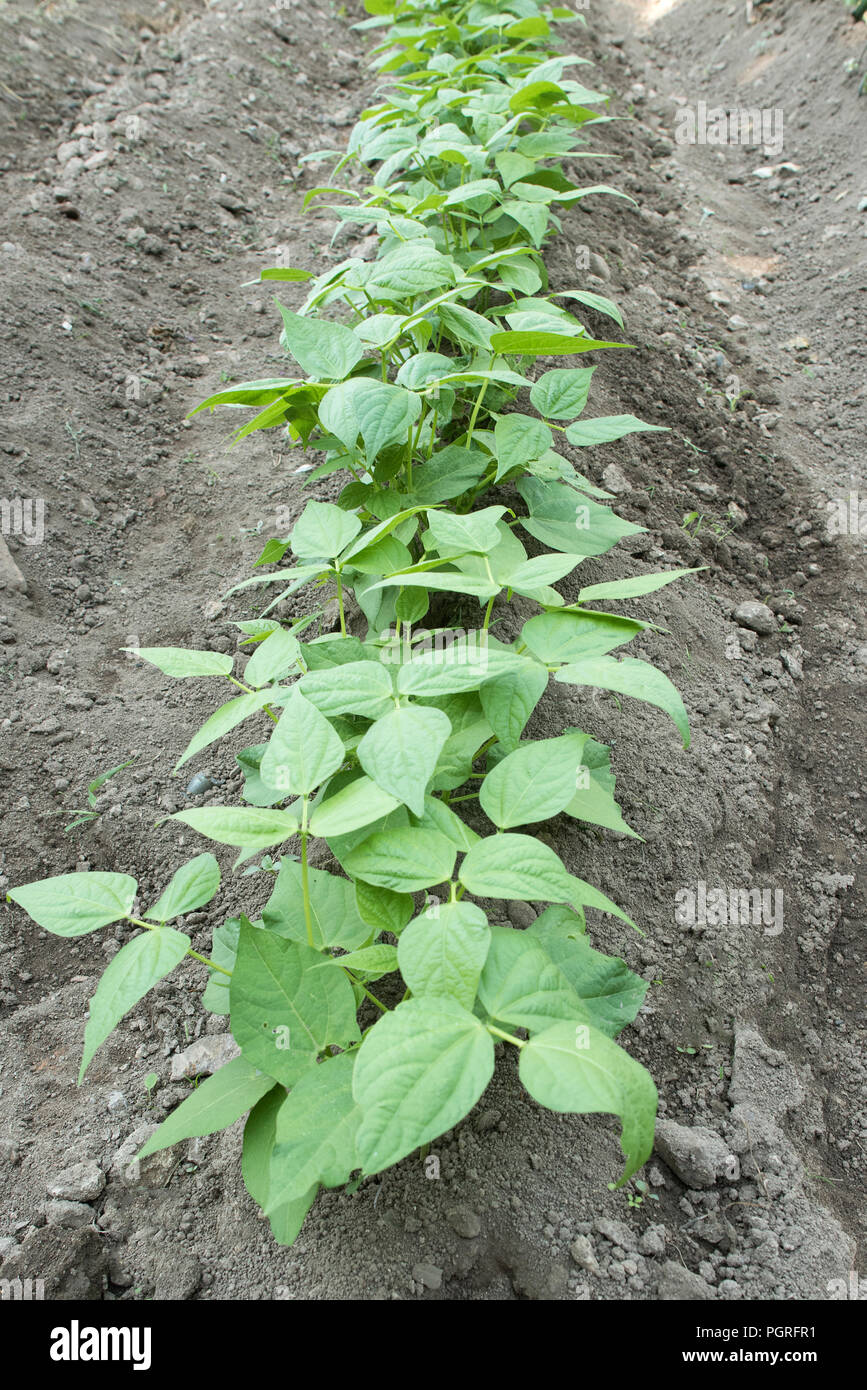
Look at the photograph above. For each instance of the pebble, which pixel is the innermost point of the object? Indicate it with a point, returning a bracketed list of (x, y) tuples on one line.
[(204, 1057), (10, 575), (698, 1156), (82, 1182), (615, 480), (429, 1275), (652, 1241), (68, 1214), (581, 1251), (520, 914), (756, 616), (464, 1222), (676, 1282)]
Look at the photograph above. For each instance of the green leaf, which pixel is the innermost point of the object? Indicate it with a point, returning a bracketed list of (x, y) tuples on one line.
[(533, 574), (272, 659), (562, 393), (287, 1004), (324, 350), (323, 530), (518, 439), (454, 534), (629, 677), (385, 413), (259, 1139), (334, 915), (466, 326), (304, 750), (74, 904), (382, 909), (371, 961), (224, 949), (315, 1135), (594, 796), (561, 637), (404, 860), (192, 886), (581, 1071), (609, 990), (534, 782), (599, 302), (442, 952), (536, 344), (214, 1105), (509, 700), (633, 588), (227, 717), (359, 803), (439, 816), (603, 430), (357, 687), (412, 268), (180, 663), (126, 979), (448, 473), (520, 986), (401, 749), (518, 867), (420, 1069), (244, 827)]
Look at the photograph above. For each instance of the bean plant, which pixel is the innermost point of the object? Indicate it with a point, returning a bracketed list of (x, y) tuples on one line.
[(366, 1003)]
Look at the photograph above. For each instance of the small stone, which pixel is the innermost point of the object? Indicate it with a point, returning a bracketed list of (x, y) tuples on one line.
[(82, 1182), (116, 1101), (204, 1057), (153, 1171), (736, 323), (198, 785), (520, 914), (652, 1241), (756, 616), (489, 1119), (698, 1156), (7, 1245), (617, 1232), (10, 575), (464, 1222), (69, 1214), (597, 266), (675, 1282), (581, 1251), (615, 480), (429, 1275)]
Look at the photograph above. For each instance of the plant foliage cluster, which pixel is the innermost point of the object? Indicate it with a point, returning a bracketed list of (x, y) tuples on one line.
[(416, 381)]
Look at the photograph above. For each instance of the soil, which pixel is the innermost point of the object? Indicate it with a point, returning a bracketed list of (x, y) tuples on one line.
[(150, 170)]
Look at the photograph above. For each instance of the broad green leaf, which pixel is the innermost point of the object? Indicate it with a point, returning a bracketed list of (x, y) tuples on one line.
[(518, 439), (315, 1133), (579, 1070), (244, 827), (412, 268), (561, 394), (541, 570), (400, 751), (420, 1069), (565, 520), (610, 991), (382, 909), (126, 979), (259, 1139), (404, 860), (272, 659), (74, 904), (632, 588), (324, 350), (535, 782), (304, 749), (439, 816), (359, 803), (180, 663), (476, 531), (334, 916), (629, 677), (192, 886), (323, 530), (224, 949), (599, 302), (537, 344), (214, 1105), (518, 867), (520, 986), (385, 413), (509, 699), (448, 473), (371, 961), (337, 409), (561, 637), (224, 719), (466, 326), (603, 430), (256, 790), (450, 581), (287, 1004), (249, 393), (357, 687), (594, 795), (442, 952)]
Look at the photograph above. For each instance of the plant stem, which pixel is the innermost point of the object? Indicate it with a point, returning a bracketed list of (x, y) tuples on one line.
[(157, 926), (305, 879), (340, 603), (507, 1037), (372, 997)]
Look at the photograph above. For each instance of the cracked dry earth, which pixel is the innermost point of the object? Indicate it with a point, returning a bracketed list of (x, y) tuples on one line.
[(150, 169)]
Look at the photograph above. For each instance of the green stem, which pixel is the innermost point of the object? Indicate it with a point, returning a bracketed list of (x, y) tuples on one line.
[(507, 1037), (475, 415), (340, 603), (305, 879), (157, 926), (372, 997)]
